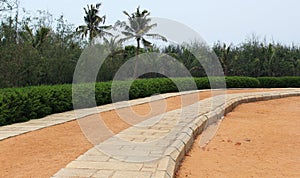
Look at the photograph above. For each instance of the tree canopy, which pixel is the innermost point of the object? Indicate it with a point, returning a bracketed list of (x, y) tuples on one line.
[(39, 51)]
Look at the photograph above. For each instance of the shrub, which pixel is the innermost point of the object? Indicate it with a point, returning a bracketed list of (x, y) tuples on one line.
[(242, 82), (23, 104), (279, 82)]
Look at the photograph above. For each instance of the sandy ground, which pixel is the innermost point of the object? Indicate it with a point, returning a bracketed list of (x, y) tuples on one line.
[(259, 139), (44, 152)]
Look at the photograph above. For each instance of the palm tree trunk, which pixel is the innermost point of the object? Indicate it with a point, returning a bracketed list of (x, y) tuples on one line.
[(90, 37), (225, 69), (136, 58)]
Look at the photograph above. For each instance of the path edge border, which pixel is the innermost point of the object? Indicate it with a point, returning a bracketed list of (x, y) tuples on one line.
[(171, 163)]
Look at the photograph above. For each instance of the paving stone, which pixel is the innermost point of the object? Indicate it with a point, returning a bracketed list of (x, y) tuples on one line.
[(188, 141), (148, 169), (150, 166), (173, 153), (167, 164), (103, 174), (161, 174), (105, 165), (132, 174), (179, 145), (95, 152), (142, 159), (95, 158), (69, 172)]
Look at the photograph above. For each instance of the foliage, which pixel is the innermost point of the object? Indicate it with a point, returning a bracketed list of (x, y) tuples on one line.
[(256, 58), (93, 28), (36, 51), (34, 54), (242, 82), (23, 104), (37, 54), (279, 82), (138, 28)]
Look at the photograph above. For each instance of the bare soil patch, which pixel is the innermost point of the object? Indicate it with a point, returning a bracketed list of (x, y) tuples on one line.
[(259, 139)]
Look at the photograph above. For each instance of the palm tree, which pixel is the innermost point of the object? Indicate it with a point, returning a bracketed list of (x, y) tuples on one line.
[(224, 58), (93, 21), (138, 28), (36, 39), (113, 43)]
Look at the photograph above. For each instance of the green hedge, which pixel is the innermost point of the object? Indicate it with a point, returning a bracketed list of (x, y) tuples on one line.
[(242, 82), (279, 82), (23, 104)]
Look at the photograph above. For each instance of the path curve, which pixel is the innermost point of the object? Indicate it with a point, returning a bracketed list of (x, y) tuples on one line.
[(64, 148), (258, 139)]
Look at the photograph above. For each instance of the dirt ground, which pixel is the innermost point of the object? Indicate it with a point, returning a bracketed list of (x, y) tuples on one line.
[(43, 152), (259, 139)]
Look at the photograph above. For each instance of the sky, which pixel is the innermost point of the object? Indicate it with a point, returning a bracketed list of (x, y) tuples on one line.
[(230, 21)]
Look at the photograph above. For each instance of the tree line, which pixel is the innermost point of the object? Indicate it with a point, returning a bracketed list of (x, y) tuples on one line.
[(36, 50)]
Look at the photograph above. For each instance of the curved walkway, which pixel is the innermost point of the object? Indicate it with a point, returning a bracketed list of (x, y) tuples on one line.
[(155, 147)]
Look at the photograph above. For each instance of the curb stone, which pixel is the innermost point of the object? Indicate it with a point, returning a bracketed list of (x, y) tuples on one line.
[(132, 163)]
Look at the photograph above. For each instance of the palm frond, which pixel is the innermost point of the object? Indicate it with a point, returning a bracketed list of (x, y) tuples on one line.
[(146, 43), (106, 27), (81, 27), (120, 24), (145, 13), (103, 33), (93, 21), (122, 40), (128, 34), (129, 29), (106, 41), (29, 31), (98, 5), (157, 36), (146, 29), (86, 11), (138, 26), (127, 14)]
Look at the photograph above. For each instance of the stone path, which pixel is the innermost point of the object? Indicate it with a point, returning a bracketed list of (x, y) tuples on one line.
[(155, 147), (54, 119)]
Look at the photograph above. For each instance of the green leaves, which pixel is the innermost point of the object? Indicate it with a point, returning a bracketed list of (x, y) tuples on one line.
[(256, 58), (93, 21), (279, 82), (23, 104), (242, 82), (138, 27)]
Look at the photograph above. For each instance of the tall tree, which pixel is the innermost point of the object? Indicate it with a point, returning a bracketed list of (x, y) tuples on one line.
[(223, 52), (113, 43), (93, 22), (138, 28), (36, 39)]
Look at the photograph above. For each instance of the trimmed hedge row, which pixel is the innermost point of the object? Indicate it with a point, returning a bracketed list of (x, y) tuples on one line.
[(23, 104), (279, 82)]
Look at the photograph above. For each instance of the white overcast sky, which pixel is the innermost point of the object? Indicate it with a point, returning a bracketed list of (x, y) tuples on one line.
[(230, 21)]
